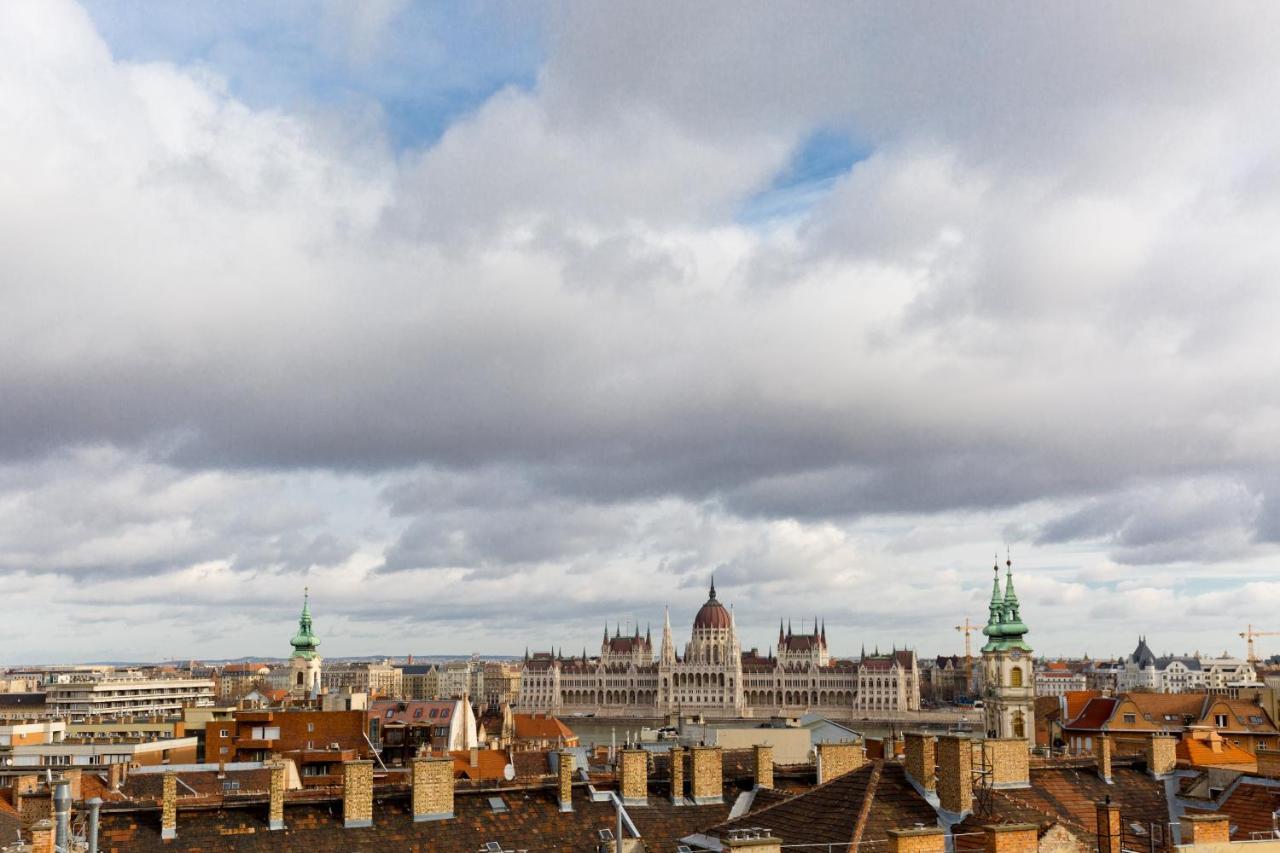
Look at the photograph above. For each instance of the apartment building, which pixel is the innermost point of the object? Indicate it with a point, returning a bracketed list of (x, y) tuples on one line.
[(125, 694)]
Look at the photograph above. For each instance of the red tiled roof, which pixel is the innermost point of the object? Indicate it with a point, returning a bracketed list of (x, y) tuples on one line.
[(543, 727), (1094, 715), (1077, 699)]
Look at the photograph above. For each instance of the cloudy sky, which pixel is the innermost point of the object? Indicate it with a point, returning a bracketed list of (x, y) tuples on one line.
[(495, 322)]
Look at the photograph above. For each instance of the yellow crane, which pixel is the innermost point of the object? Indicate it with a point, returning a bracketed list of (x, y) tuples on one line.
[(968, 628), (1249, 634)]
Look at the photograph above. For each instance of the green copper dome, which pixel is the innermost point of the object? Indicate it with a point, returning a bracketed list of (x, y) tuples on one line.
[(1005, 626), (304, 642)]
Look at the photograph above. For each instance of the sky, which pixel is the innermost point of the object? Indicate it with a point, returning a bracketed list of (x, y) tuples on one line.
[(495, 323)]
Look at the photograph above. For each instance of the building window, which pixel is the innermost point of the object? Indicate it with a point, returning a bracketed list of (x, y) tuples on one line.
[(1015, 677), (1220, 720), (1131, 718)]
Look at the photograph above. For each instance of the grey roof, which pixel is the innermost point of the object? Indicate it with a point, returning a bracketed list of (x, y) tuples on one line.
[(1190, 662), (1142, 655)]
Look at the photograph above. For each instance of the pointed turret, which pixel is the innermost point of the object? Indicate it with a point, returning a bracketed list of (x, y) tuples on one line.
[(305, 642)]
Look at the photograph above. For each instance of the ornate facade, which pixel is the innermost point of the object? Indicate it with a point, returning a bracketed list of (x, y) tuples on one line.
[(714, 676)]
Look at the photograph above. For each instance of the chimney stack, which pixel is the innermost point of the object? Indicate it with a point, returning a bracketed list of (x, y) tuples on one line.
[(566, 781), (955, 774), (677, 775), (1108, 814), (1009, 761), (708, 775), (1012, 838), (1206, 829), (432, 788), (753, 841), (634, 785), (357, 794), (762, 759), (1102, 751), (42, 837), (837, 759), (275, 811), (169, 807), (921, 760), (928, 839), (1162, 756)]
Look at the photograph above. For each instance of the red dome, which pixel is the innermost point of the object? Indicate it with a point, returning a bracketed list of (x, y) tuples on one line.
[(712, 614)]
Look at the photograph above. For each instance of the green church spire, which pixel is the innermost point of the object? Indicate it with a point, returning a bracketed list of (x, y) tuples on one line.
[(304, 642)]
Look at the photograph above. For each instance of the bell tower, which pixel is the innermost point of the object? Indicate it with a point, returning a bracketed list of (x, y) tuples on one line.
[(304, 663), (1009, 696)]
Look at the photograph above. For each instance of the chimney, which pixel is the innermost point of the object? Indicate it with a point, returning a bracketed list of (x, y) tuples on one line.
[(921, 760), (930, 839), (762, 761), (566, 781), (73, 775), (1268, 762), (42, 837), (1206, 829), (1162, 756), (169, 807), (708, 775), (115, 775), (222, 769), (275, 811), (1102, 751), (634, 765), (837, 759), (357, 794), (1109, 835), (1009, 761), (1012, 838), (955, 774), (677, 775), (432, 788), (95, 805), (753, 841), (475, 756)]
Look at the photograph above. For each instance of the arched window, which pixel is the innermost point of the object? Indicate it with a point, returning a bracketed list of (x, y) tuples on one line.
[(299, 679), (1015, 677), (1019, 729)]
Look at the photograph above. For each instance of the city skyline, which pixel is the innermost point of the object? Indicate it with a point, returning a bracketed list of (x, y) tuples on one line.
[(491, 323)]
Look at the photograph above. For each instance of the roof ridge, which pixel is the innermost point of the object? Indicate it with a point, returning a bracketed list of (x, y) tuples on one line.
[(865, 812)]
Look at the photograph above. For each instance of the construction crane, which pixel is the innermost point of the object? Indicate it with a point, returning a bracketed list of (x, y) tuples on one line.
[(1249, 634), (968, 628)]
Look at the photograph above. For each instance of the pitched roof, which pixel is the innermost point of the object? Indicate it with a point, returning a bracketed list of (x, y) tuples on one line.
[(1214, 751), (542, 726), (1094, 714), (864, 804), (490, 763), (1242, 715), (1076, 700), (414, 712), (532, 820)]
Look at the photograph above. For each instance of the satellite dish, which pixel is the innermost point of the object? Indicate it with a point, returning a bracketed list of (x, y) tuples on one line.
[(509, 772)]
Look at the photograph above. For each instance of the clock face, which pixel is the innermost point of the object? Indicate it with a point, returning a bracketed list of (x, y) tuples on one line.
[(1017, 655)]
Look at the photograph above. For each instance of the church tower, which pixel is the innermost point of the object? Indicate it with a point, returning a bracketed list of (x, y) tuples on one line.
[(1009, 698), (304, 663)]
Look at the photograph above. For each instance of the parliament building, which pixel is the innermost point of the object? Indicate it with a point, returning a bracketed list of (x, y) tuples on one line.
[(714, 676)]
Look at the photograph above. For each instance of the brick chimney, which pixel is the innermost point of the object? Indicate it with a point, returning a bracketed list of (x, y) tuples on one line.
[(1206, 829), (708, 775), (1108, 814), (432, 788), (169, 807), (1162, 756), (1102, 751), (677, 775), (1012, 838), (1009, 762), (955, 773), (115, 776), (837, 759), (357, 794), (931, 839), (1268, 762), (920, 759), (566, 781), (42, 837), (762, 763), (73, 775), (275, 810), (634, 784)]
